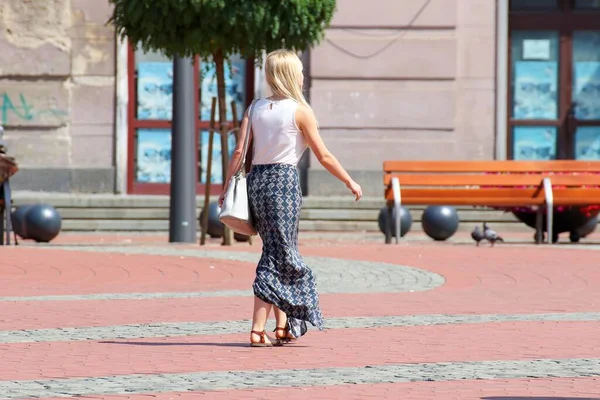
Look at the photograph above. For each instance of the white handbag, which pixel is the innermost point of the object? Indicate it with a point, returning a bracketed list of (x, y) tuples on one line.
[(235, 211)]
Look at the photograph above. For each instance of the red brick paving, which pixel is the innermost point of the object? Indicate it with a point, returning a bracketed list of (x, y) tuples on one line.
[(53, 314), (36, 272), (478, 280), (335, 348), (505, 279)]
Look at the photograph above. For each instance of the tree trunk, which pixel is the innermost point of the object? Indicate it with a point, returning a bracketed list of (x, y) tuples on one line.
[(220, 71), (209, 158)]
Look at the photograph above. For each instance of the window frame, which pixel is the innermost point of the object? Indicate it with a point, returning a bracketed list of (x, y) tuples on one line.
[(144, 188), (565, 20)]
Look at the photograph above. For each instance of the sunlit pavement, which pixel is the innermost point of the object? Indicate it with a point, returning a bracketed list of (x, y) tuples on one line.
[(130, 316)]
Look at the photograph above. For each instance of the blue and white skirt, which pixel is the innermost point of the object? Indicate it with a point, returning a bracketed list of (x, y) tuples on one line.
[(282, 277)]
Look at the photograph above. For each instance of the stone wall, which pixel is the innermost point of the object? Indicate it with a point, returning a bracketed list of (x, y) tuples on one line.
[(390, 81), (57, 93), (403, 79)]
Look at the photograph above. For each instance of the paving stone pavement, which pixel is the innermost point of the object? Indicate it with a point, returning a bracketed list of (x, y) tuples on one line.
[(335, 275), (157, 330), (160, 383), (419, 320)]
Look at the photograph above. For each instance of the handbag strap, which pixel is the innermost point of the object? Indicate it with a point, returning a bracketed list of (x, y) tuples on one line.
[(247, 138)]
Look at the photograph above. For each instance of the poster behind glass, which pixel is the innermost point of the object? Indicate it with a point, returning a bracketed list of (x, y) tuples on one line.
[(587, 143), (535, 90), (217, 168), (155, 90), (587, 90), (153, 156), (586, 74), (534, 143), (235, 88)]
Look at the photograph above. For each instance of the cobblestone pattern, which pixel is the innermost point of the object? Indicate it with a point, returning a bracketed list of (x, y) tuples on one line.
[(500, 389), (334, 275), (129, 296), (136, 331), (211, 381), (462, 343)]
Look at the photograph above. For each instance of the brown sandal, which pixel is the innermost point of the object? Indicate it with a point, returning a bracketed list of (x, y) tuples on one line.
[(285, 337), (263, 341)]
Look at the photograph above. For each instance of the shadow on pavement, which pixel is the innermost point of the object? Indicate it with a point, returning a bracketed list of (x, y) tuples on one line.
[(538, 398), (223, 344)]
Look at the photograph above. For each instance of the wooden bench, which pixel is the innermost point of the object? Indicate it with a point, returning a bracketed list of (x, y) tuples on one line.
[(544, 184), (8, 167)]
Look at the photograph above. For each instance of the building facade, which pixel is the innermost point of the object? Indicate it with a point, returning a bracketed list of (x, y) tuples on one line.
[(393, 79)]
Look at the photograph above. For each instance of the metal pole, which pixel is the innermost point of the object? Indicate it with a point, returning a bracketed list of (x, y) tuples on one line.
[(501, 78), (182, 204), (304, 163)]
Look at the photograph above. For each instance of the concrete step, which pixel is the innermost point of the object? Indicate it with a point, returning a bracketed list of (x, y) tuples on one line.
[(416, 214), (121, 225), (366, 226), (151, 213), (81, 213), (73, 225), (62, 200)]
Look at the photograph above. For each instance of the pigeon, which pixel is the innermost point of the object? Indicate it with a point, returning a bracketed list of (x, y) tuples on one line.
[(490, 235), (477, 235)]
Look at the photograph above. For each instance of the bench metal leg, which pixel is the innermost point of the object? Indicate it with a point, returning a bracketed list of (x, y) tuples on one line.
[(8, 205), (397, 223), (2, 225), (6, 226), (388, 223), (397, 205), (549, 208), (539, 234), (549, 205)]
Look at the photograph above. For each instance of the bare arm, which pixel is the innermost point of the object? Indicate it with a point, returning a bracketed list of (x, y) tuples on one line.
[(308, 125), (236, 157)]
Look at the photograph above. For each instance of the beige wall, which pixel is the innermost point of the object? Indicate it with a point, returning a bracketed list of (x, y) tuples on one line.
[(385, 90), (57, 84), (382, 89)]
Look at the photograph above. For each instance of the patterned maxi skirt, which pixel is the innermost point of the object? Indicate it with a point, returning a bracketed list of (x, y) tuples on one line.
[(282, 277)]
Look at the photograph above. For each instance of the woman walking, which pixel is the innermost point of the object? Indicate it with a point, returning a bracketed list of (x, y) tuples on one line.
[(282, 127)]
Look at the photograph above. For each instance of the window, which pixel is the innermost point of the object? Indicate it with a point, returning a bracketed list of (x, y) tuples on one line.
[(554, 94), (150, 114), (534, 60)]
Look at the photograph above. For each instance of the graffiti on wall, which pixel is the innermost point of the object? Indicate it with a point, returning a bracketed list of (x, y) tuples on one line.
[(17, 109)]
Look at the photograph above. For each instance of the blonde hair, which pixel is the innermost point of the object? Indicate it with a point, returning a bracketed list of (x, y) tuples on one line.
[(283, 70)]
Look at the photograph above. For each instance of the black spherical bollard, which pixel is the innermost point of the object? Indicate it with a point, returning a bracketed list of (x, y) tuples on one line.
[(240, 238), (584, 230), (588, 227), (215, 226), (18, 220), (42, 223), (405, 221), (440, 222)]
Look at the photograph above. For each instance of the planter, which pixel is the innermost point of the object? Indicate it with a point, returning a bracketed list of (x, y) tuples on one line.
[(566, 219)]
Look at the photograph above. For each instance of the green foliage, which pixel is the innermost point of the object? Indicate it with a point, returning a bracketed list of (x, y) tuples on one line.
[(246, 27)]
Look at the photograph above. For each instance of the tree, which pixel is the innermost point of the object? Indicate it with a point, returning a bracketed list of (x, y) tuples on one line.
[(217, 29)]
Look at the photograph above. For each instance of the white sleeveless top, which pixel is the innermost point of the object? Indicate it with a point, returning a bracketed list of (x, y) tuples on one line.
[(277, 139)]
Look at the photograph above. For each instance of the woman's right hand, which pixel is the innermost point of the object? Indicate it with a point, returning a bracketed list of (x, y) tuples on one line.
[(355, 189)]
